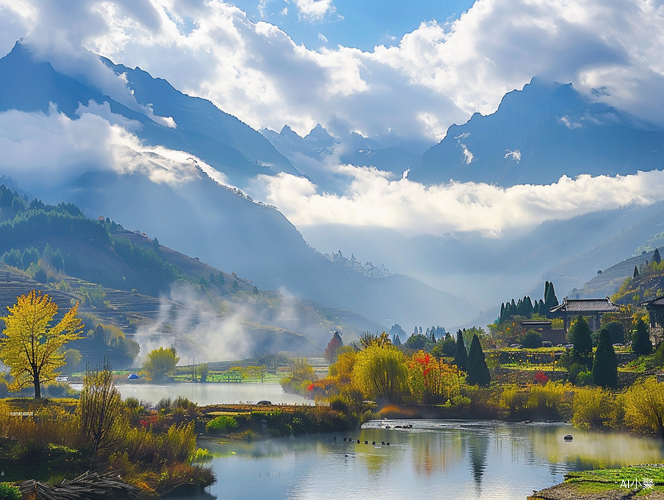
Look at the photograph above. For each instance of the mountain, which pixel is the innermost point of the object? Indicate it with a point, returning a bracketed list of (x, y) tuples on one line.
[(231, 232), (195, 214), (311, 153), (221, 140), (539, 134)]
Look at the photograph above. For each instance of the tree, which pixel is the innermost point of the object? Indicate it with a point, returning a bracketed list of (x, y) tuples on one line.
[(550, 299), (99, 408), (478, 371), (30, 348), (641, 344), (579, 334), (656, 257), (332, 347), (636, 273), (605, 365), (461, 356), (380, 371), (160, 363)]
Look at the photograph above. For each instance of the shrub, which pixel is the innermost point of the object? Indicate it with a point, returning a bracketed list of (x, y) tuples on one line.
[(644, 406), (9, 491), (514, 399), (584, 378), (547, 400), (222, 423), (592, 408), (531, 339)]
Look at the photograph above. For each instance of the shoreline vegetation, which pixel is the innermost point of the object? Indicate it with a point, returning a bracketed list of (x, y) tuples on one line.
[(154, 448)]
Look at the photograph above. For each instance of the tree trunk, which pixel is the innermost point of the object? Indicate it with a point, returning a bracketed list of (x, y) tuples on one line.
[(37, 388)]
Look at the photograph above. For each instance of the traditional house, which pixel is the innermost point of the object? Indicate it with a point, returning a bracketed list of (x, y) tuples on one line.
[(655, 310), (544, 329), (592, 309)]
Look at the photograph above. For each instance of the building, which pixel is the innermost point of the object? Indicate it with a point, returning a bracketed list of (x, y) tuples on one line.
[(544, 329), (592, 309), (655, 310)]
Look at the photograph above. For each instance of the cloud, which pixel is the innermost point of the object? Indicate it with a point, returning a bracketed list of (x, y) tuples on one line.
[(314, 10), (375, 198), (437, 75), (45, 150)]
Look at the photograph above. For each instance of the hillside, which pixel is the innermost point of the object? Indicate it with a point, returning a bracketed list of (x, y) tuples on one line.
[(218, 138), (539, 134)]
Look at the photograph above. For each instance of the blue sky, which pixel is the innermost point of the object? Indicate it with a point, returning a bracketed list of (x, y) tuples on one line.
[(362, 24)]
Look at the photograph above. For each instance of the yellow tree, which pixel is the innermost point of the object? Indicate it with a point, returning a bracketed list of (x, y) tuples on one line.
[(29, 347)]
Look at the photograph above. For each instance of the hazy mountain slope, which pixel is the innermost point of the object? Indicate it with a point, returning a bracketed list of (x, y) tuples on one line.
[(539, 134), (218, 138), (208, 221)]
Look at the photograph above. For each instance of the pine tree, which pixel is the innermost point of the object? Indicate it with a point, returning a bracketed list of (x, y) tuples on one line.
[(582, 351), (605, 366), (656, 258), (461, 356), (641, 344), (478, 372), (636, 273), (550, 299)]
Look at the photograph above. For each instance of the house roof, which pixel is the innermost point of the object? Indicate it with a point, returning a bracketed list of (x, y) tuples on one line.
[(659, 301), (581, 306)]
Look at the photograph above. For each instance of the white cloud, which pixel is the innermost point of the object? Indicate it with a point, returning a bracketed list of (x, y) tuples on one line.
[(515, 155), (322, 38), (375, 198), (43, 151), (437, 75), (314, 9)]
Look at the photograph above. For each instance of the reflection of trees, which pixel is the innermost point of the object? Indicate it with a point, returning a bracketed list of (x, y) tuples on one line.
[(477, 448), (436, 452)]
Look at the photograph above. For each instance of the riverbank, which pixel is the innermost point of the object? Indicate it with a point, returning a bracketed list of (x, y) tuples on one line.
[(639, 481)]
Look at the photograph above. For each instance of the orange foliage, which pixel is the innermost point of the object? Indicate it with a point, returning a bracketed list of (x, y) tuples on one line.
[(430, 377)]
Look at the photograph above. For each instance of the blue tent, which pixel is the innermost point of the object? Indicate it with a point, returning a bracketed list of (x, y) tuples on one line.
[(133, 376)]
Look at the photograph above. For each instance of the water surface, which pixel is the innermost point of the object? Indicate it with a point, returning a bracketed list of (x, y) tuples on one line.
[(210, 393), (434, 459)]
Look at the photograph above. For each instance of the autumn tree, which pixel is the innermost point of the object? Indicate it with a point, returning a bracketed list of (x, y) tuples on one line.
[(380, 371), (160, 363), (332, 347), (30, 348)]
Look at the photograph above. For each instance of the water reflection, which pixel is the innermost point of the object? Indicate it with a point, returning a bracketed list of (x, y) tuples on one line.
[(439, 459)]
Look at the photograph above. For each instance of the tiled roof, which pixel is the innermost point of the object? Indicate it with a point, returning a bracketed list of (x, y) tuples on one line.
[(659, 301), (586, 306)]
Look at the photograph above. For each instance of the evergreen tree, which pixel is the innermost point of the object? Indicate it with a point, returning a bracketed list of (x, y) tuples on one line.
[(332, 348), (461, 356), (656, 258), (605, 366), (641, 344), (636, 273), (582, 351), (550, 299), (478, 372)]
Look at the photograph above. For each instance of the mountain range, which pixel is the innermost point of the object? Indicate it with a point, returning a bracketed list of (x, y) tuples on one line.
[(196, 214)]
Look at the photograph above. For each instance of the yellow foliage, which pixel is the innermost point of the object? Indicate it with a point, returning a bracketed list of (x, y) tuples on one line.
[(380, 371), (30, 348), (644, 406), (592, 407)]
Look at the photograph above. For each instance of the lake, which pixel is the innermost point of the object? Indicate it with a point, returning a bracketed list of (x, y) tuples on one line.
[(211, 393), (435, 459)]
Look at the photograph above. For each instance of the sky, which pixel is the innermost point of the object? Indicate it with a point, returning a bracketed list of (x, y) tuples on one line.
[(410, 69)]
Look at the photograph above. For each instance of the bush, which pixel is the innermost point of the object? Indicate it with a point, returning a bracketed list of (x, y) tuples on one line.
[(9, 491), (531, 339), (222, 423), (584, 378), (592, 408)]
